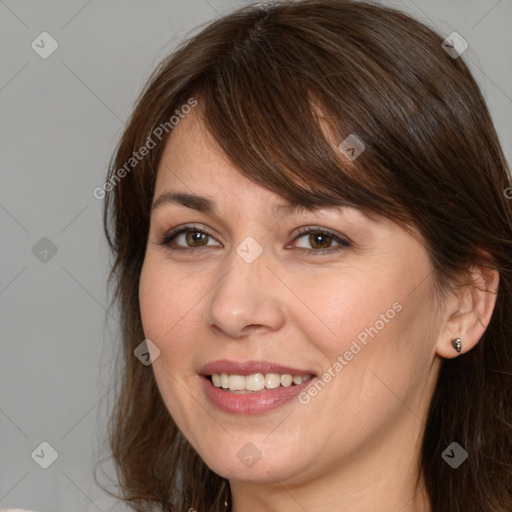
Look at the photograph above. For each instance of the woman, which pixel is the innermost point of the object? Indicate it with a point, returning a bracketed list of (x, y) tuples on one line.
[(313, 256)]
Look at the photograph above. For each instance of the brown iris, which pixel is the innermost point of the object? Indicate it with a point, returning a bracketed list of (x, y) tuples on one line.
[(316, 238), (196, 236)]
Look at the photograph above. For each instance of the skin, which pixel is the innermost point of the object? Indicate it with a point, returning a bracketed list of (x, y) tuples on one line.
[(355, 445)]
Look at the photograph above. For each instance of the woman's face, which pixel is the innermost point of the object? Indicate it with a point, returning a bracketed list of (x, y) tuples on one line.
[(263, 296)]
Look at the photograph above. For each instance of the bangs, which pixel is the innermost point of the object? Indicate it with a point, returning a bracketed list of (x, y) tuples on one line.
[(281, 124)]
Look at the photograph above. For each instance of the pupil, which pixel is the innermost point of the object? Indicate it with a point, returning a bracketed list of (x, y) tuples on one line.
[(317, 239), (195, 236)]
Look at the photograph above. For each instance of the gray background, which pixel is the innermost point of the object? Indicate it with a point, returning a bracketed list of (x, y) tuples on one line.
[(61, 118)]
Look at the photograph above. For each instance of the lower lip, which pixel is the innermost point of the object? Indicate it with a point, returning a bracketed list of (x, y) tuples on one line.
[(255, 402)]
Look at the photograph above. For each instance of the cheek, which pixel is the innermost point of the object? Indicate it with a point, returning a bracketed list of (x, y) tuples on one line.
[(167, 314), (335, 311), (151, 298), (374, 322), (166, 299)]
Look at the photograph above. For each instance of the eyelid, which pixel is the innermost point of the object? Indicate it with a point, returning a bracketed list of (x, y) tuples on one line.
[(173, 233), (341, 240)]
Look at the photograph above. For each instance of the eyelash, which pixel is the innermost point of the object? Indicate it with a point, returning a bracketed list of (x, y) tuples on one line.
[(342, 243)]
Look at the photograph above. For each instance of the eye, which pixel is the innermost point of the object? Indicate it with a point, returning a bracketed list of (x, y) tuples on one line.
[(195, 238), (321, 240), (192, 236)]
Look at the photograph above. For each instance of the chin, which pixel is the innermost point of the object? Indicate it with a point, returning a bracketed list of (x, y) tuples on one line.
[(250, 465)]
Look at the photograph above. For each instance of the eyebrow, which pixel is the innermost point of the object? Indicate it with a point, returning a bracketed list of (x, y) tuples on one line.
[(206, 205)]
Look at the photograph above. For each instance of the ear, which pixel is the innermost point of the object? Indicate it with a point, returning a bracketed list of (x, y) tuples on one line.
[(468, 310)]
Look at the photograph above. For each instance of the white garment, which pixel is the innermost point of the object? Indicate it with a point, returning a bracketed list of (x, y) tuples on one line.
[(15, 510)]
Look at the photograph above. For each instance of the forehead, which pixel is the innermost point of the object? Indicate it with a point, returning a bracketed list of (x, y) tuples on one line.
[(191, 154), (194, 172)]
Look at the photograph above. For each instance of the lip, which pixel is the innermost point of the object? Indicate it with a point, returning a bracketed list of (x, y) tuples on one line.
[(257, 402), (249, 368), (251, 402)]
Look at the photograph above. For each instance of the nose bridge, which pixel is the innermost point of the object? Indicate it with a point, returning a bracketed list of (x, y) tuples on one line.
[(246, 294)]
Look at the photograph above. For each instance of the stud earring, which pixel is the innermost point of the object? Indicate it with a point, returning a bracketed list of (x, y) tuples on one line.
[(457, 344)]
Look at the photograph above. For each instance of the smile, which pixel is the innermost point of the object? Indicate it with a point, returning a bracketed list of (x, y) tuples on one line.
[(256, 382), (252, 387)]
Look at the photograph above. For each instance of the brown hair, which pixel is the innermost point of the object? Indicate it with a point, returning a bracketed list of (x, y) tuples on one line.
[(266, 80)]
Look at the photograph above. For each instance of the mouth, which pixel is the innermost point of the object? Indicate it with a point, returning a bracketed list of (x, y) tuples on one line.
[(252, 387), (256, 382)]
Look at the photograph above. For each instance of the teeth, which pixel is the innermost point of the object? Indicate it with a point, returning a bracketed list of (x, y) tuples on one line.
[(297, 379), (286, 380), (236, 382), (256, 381), (273, 380)]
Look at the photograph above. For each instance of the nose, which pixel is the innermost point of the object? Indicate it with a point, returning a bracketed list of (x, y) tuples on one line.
[(247, 297)]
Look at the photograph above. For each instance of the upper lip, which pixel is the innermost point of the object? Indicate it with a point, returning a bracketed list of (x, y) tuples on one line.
[(249, 368)]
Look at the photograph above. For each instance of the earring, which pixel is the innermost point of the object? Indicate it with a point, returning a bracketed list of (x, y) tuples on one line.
[(457, 344)]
